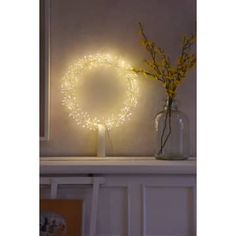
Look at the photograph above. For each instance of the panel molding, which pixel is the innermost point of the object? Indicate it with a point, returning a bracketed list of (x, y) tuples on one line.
[(192, 208), (45, 66), (127, 204), (135, 197)]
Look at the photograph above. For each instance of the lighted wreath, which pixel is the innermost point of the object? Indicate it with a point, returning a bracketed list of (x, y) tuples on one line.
[(78, 70)]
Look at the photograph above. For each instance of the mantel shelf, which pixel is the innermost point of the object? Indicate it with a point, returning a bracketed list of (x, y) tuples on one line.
[(115, 165)]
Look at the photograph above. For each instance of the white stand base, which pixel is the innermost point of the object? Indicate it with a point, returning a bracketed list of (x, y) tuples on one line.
[(101, 141)]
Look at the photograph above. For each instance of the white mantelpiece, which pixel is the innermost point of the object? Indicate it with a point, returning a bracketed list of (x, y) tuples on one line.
[(115, 165)]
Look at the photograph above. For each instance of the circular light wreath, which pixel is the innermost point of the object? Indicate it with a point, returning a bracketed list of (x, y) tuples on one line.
[(77, 70)]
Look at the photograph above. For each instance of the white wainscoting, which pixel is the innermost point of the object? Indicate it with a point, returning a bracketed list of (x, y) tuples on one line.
[(154, 203)]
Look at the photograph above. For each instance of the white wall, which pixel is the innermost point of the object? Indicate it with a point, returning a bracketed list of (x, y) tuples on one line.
[(79, 27)]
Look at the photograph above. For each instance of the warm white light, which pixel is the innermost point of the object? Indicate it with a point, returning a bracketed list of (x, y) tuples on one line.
[(78, 70)]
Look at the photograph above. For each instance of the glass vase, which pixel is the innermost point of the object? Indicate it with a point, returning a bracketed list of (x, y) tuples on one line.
[(171, 133)]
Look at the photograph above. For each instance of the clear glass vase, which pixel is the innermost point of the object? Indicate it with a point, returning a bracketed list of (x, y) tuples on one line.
[(171, 133)]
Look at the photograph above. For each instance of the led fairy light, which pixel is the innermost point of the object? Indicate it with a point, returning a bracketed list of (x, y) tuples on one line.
[(69, 88)]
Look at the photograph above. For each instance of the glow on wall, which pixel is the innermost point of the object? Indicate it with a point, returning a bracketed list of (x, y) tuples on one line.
[(72, 90)]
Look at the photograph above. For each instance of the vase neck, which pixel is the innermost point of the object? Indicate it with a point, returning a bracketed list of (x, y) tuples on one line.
[(172, 103)]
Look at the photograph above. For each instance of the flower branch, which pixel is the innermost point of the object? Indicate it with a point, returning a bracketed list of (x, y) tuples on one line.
[(159, 67)]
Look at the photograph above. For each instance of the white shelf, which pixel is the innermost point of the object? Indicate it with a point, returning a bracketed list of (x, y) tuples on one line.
[(114, 165)]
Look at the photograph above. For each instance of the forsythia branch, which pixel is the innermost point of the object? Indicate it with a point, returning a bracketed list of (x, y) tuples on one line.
[(159, 66)]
